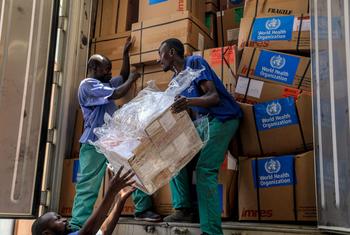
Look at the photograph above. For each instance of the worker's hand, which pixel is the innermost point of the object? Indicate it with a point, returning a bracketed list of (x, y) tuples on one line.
[(180, 104), (119, 181), (125, 193), (129, 42), (134, 76)]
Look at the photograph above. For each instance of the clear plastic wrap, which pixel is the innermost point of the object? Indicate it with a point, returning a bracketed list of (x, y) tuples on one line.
[(123, 132)]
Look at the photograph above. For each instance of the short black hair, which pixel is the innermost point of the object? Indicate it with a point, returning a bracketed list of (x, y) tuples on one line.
[(176, 44), (96, 61), (38, 226)]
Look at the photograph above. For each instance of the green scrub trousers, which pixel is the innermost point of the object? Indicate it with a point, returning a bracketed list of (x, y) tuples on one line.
[(209, 161), (92, 167)]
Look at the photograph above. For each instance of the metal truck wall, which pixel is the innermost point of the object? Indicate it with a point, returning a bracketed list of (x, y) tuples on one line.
[(331, 87), (25, 29)]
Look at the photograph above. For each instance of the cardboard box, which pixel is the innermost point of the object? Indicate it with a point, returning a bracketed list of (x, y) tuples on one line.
[(152, 9), (111, 46), (156, 73), (162, 201), (223, 61), (78, 131), (227, 186), (69, 179), (115, 16), (151, 33), (280, 33), (228, 23), (277, 188), (254, 8), (254, 91), (271, 66), (171, 142), (148, 73), (228, 4), (23, 227), (287, 120)]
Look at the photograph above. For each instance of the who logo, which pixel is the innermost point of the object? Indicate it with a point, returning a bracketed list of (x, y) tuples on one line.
[(273, 24), (272, 166), (273, 109), (277, 62)]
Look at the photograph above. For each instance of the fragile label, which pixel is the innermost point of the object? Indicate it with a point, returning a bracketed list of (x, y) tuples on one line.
[(152, 2), (273, 28), (273, 171), (277, 67), (275, 114)]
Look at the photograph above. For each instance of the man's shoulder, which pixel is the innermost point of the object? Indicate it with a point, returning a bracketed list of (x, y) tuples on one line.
[(195, 58), (89, 82)]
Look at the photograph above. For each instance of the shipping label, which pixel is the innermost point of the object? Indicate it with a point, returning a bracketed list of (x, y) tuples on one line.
[(275, 114), (273, 28), (277, 67), (216, 55), (273, 171)]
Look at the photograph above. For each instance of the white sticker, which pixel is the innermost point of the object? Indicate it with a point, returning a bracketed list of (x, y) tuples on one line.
[(231, 162), (242, 85), (181, 144), (167, 121), (255, 88), (219, 13), (232, 34), (200, 42), (306, 25)]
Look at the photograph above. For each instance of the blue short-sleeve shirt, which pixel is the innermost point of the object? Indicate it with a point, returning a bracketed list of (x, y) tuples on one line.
[(227, 109), (94, 99)]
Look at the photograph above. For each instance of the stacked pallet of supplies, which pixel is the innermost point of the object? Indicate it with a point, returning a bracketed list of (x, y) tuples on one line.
[(259, 49), (276, 170)]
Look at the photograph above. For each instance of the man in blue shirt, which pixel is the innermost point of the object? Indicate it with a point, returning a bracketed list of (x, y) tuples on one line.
[(206, 96), (53, 224), (96, 94)]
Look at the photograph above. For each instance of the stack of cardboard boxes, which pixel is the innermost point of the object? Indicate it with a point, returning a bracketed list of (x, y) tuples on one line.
[(276, 170), (263, 62)]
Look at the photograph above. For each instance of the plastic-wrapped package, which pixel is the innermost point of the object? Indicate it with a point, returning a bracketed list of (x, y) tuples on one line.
[(145, 136)]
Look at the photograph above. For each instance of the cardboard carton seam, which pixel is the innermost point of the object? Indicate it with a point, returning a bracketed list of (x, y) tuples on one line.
[(145, 52), (248, 70), (304, 74), (298, 41), (204, 30)]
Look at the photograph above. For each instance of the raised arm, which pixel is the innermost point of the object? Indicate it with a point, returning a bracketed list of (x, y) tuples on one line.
[(116, 184), (110, 223), (125, 70), (121, 90)]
